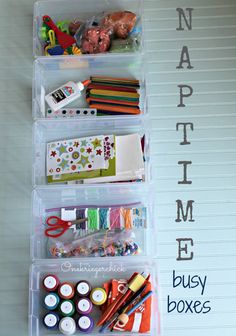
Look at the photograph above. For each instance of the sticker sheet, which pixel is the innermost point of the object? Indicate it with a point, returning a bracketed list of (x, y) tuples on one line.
[(76, 155)]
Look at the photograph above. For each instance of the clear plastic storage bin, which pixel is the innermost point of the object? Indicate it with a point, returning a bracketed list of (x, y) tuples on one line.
[(82, 9), (96, 272), (45, 131), (53, 73), (54, 199)]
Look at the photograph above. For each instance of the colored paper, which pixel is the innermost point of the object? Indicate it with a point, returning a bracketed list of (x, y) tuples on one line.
[(129, 160), (109, 168)]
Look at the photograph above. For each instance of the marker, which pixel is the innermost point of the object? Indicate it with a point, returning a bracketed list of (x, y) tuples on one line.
[(84, 306), (51, 301), (66, 291), (98, 296), (67, 308), (67, 326), (85, 324), (83, 288), (50, 283), (51, 320), (124, 317)]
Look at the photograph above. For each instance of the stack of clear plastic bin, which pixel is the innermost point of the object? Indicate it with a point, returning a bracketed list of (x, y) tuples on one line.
[(49, 73)]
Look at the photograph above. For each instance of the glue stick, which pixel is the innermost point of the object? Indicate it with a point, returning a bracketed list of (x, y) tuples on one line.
[(65, 94)]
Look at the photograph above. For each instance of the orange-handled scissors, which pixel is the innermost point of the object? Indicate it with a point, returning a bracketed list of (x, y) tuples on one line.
[(57, 226)]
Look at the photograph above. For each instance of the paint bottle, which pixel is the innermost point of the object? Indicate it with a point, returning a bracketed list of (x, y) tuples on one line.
[(51, 320), (85, 324), (66, 291), (67, 326), (50, 283), (67, 308), (51, 301), (84, 306), (83, 288), (98, 296), (65, 94)]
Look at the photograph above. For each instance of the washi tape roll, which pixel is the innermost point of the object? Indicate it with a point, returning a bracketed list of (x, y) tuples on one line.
[(51, 283), (51, 301), (66, 291), (51, 320), (98, 296), (85, 324), (84, 306), (67, 326), (83, 288), (67, 308)]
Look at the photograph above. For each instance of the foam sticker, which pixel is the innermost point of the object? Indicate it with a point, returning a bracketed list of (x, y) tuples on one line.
[(72, 113)]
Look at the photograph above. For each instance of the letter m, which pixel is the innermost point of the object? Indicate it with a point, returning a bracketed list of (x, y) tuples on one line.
[(184, 214)]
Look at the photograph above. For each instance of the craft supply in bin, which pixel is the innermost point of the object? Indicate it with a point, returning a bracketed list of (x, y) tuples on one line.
[(90, 28), (114, 76), (96, 159), (130, 292), (73, 152), (96, 221)]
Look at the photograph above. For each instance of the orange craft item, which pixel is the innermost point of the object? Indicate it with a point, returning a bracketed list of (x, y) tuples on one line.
[(140, 320), (121, 22)]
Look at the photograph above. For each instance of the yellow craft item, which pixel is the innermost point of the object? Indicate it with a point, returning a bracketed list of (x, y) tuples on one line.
[(114, 93), (52, 38)]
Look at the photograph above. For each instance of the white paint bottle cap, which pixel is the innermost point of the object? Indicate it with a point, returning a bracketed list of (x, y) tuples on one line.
[(67, 326)]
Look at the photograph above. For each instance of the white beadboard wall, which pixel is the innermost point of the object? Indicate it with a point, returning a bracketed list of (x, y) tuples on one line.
[(211, 108)]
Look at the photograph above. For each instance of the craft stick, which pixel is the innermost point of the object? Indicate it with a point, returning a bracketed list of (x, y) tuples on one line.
[(101, 86), (116, 108), (112, 79), (92, 100), (115, 93)]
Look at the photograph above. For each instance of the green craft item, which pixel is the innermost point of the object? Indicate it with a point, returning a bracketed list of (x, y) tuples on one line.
[(114, 98)]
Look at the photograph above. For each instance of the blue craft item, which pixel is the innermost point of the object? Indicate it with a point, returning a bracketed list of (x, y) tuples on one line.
[(57, 50)]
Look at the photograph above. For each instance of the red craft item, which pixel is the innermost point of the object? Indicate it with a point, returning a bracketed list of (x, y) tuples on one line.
[(63, 39), (96, 40)]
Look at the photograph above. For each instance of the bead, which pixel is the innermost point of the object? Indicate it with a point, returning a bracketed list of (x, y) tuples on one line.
[(123, 318)]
